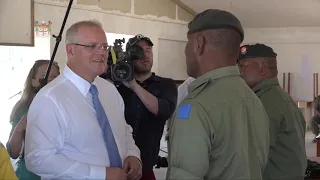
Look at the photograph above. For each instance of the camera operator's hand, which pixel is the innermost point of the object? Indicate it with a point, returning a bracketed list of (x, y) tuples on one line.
[(130, 84), (116, 174)]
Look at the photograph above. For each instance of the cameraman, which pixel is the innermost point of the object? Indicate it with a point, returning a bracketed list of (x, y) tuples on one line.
[(149, 101)]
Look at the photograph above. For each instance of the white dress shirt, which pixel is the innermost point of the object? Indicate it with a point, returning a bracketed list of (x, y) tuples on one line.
[(183, 90), (63, 136)]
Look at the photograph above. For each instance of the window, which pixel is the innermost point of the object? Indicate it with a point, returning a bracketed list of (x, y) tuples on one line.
[(112, 37), (16, 61)]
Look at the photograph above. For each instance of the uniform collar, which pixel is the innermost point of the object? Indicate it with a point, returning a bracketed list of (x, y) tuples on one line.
[(265, 85), (214, 75)]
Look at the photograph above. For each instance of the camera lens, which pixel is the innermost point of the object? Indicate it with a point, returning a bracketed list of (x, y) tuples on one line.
[(122, 72)]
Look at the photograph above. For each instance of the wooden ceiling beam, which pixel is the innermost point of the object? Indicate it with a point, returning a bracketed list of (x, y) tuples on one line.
[(185, 7)]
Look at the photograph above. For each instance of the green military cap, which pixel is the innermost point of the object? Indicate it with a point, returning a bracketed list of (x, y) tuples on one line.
[(215, 19), (255, 51)]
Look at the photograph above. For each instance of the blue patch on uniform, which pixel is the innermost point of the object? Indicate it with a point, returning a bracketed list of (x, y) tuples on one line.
[(184, 111)]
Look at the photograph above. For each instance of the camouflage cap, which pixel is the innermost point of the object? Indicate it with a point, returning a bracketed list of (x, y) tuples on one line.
[(215, 19)]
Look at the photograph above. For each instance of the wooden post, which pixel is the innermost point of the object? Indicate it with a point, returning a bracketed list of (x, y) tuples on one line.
[(315, 94), (315, 86), (284, 81), (318, 146), (289, 84)]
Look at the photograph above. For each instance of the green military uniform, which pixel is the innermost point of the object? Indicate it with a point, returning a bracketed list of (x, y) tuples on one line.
[(315, 120), (314, 125), (287, 126), (220, 131), (288, 158), (317, 104)]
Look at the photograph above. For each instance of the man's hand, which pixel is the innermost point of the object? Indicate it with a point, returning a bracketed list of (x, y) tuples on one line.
[(133, 167), (116, 174), (130, 84)]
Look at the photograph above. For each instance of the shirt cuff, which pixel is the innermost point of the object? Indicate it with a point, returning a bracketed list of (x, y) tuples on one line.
[(137, 159), (97, 172), (134, 154)]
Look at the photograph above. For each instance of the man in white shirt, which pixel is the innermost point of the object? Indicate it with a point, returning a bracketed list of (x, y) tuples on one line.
[(183, 90), (64, 139)]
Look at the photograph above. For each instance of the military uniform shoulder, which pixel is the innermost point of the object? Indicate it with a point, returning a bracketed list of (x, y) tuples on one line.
[(198, 86), (275, 95)]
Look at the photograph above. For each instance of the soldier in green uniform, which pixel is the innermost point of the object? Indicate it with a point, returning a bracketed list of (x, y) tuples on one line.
[(220, 130), (315, 120), (287, 126)]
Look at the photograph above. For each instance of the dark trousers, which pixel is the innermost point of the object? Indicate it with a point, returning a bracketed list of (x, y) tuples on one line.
[(148, 176)]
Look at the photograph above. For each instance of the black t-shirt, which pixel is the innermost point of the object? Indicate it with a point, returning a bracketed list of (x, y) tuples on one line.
[(147, 127)]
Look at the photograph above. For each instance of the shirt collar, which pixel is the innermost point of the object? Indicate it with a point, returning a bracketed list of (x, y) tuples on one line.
[(265, 85), (153, 77), (150, 80), (82, 85), (214, 75)]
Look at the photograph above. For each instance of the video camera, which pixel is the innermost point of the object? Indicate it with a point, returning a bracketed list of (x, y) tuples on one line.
[(120, 63)]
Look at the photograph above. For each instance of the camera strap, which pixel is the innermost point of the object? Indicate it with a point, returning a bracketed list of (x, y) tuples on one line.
[(113, 55)]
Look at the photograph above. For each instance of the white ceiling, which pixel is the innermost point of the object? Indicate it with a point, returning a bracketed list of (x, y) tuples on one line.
[(265, 13)]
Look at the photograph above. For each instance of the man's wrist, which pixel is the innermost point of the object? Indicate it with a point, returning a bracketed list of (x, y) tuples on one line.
[(132, 156), (135, 158), (134, 86)]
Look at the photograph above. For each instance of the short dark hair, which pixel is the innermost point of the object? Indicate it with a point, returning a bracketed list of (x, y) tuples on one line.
[(227, 40), (271, 63)]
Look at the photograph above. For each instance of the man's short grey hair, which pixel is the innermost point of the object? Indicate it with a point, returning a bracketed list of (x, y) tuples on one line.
[(72, 32)]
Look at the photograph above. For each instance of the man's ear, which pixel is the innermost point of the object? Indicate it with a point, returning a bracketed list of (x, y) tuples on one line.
[(263, 66), (69, 50), (199, 45)]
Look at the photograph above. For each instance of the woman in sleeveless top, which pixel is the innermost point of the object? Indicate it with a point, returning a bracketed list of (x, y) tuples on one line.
[(18, 117)]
